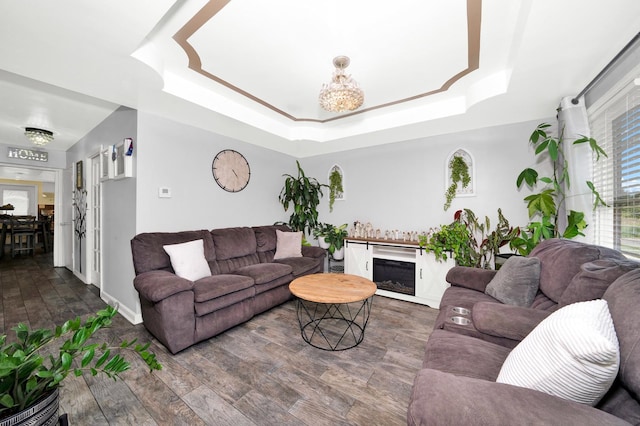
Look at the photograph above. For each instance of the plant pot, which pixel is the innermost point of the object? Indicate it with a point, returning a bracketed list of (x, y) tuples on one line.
[(322, 243), (338, 254), (44, 412)]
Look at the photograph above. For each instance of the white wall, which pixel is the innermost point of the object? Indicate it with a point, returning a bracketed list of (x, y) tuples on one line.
[(401, 186), (179, 157)]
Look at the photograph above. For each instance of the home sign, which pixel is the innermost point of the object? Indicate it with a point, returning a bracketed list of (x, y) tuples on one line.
[(28, 154)]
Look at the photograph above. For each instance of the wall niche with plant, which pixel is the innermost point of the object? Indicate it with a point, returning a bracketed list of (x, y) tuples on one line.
[(336, 185), (460, 179)]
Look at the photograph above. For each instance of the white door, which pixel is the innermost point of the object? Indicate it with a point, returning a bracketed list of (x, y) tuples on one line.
[(96, 222), (66, 230)]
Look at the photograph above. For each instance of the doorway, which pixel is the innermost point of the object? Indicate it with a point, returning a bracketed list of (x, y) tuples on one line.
[(95, 224)]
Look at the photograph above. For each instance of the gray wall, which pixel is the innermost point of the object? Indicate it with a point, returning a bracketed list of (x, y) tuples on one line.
[(401, 186)]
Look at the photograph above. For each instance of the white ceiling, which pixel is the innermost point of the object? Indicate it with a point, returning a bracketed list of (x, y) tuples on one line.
[(252, 69)]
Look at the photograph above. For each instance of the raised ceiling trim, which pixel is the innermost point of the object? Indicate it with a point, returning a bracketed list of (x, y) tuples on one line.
[(209, 10)]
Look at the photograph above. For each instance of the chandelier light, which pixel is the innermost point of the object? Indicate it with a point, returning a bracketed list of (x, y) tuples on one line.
[(39, 137), (342, 93)]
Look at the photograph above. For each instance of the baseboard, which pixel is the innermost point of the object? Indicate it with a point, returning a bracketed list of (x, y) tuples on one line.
[(131, 316)]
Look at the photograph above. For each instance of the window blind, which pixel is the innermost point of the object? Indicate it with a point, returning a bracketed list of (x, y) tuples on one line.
[(616, 127)]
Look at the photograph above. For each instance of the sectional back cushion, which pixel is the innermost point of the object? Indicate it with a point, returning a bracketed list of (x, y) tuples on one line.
[(266, 239), (594, 278), (560, 261), (235, 248), (148, 254)]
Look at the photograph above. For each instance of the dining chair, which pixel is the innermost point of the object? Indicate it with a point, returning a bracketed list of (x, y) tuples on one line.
[(23, 234)]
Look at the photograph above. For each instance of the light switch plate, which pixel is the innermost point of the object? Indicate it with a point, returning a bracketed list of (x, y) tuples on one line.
[(164, 192)]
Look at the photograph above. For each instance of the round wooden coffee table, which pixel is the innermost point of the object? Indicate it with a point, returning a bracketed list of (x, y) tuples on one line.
[(333, 309)]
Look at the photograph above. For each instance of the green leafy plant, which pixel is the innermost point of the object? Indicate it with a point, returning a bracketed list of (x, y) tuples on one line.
[(27, 373), (335, 186), (304, 194), (322, 230), (459, 174), (449, 240), (335, 237), (545, 206)]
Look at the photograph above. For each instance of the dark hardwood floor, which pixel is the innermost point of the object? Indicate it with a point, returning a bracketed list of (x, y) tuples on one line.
[(259, 373)]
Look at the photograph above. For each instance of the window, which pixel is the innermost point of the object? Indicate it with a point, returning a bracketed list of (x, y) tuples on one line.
[(616, 127)]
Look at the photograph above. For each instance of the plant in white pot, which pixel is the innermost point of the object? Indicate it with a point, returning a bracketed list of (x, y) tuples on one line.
[(33, 368), (335, 238), (321, 232)]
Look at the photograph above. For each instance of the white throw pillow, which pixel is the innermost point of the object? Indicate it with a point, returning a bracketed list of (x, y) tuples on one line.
[(289, 244), (188, 261), (573, 354)]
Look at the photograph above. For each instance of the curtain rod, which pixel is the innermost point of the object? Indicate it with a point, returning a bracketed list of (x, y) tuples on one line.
[(576, 100)]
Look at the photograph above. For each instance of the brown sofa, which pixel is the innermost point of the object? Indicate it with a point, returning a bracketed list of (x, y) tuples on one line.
[(457, 384), (245, 281)]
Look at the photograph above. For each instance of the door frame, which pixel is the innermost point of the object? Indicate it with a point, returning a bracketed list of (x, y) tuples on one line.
[(89, 185)]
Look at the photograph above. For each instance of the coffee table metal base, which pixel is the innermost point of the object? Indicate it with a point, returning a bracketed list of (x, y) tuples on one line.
[(333, 326)]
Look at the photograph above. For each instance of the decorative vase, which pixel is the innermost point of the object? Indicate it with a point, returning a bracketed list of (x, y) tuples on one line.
[(42, 413), (338, 254)]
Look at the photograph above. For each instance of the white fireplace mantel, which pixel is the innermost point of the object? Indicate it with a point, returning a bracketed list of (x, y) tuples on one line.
[(430, 274)]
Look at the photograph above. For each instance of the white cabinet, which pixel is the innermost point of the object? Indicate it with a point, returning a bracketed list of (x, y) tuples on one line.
[(358, 260), (430, 277), (430, 282)]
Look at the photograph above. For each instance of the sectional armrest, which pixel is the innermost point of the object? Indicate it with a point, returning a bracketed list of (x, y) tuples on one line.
[(158, 285), (442, 398), (512, 322), (471, 278), (313, 251)]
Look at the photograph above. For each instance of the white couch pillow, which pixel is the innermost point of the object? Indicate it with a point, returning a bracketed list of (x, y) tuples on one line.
[(188, 261), (289, 244), (573, 354)]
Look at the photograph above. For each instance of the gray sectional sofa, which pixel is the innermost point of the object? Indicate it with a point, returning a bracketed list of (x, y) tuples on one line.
[(459, 382), (245, 280)]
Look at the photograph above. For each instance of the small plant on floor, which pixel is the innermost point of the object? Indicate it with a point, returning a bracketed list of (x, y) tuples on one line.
[(32, 367)]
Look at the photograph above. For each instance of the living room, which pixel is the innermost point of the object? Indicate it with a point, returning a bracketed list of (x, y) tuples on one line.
[(392, 181)]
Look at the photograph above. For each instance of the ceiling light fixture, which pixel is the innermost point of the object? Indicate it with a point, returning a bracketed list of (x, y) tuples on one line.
[(342, 93), (38, 136)]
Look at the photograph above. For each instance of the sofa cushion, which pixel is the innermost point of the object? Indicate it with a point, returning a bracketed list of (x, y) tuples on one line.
[(572, 354), (148, 254), (263, 273), (516, 282), (560, 261), (464, 355), (187, 260), (301, 265), (289, 244), (233, 242), (623, 297), (266, 239), (594, 279), (219, 285)]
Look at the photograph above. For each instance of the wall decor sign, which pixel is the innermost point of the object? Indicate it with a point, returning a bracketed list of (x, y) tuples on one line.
[(28, 154)]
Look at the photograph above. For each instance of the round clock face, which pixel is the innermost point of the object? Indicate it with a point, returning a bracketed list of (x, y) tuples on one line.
[(231, 170)]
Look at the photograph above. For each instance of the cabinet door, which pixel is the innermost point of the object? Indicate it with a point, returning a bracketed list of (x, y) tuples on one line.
[(431, 277), (357, 260)]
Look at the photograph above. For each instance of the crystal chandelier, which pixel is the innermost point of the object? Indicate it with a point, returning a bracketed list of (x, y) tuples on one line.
[(342, 93), (39, 137)]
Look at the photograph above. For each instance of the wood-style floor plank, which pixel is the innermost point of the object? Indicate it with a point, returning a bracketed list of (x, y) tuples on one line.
[(258, 373)]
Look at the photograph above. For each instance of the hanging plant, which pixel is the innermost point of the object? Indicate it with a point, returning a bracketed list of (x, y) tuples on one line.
[(459, 174), (335, 186)]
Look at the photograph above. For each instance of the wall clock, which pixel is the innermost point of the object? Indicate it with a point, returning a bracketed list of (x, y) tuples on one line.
[(231, 170)]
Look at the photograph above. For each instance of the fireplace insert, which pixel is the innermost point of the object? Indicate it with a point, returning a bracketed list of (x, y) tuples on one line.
[(395, 275)]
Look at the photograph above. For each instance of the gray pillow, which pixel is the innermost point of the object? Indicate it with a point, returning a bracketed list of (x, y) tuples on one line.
[(516, 282)]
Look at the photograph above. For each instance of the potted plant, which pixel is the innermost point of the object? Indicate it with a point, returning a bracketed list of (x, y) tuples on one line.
[(546, 206), (459, 175), (335, 238), (335, 186), (321, 232), (33, 368), (450, 240), (304, 193)]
